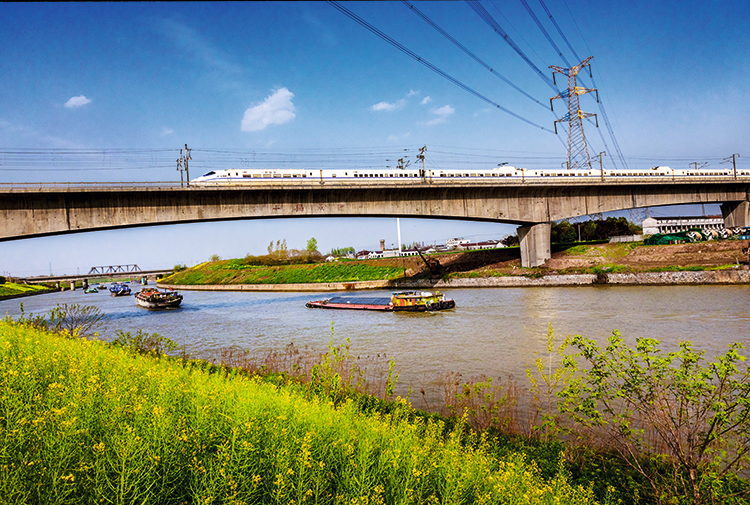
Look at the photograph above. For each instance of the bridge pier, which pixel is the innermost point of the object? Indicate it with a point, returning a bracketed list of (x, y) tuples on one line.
[(535, 244), (736, 214)]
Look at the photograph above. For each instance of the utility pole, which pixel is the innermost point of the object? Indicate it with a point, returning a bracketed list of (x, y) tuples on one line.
[(601, 163), (734, 162), (695, 165), (187, 157), (420, 157), (179, 168)]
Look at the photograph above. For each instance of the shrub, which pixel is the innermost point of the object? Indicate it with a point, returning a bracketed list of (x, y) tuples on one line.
[(2, 279), (694, 415), (73, 320), (145, 343)]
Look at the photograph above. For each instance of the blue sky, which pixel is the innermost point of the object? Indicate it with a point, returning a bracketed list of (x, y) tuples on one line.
[(298, 81)]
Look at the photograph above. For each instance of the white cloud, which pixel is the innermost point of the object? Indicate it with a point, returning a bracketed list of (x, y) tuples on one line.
[(167, 131), (276, 109), (77, 101), (411, 93), (426, 100), (445, 110), (442, 113), (483, 111), (389, 106)]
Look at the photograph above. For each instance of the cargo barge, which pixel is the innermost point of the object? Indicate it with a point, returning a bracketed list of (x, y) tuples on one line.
[(414, 301)]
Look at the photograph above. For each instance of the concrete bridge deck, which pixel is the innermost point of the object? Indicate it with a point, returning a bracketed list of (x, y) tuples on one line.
[(41, 209)]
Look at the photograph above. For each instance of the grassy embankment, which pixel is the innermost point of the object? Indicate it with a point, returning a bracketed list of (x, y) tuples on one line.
[(84, 422), (237, 272), (606, 258), (10, 289), (581, 258)]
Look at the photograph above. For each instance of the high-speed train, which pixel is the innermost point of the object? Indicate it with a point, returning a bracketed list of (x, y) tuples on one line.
[(257, 175)]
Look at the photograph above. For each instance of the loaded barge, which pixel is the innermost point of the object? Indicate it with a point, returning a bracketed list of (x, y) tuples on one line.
[(413, 301)]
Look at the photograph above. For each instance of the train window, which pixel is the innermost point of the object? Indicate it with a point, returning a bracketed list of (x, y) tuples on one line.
[(277, 176), (257, 175), (390, 175), (246, 175), (333, 175), (304, 175), (295, 175), (473, 175), (289, 175), (442, 175)]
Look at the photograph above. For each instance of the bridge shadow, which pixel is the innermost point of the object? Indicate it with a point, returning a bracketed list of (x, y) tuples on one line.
[(459, 262)]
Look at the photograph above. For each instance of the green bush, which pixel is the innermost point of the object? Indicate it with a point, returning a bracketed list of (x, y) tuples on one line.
[(680, 422)]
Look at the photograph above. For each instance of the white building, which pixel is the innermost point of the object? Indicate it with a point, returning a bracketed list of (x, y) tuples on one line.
[(455, 242), (654, 225)]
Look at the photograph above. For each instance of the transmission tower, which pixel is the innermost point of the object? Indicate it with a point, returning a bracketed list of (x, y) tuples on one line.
[(578, 153)]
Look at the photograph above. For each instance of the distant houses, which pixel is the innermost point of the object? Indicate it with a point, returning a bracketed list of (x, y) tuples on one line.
[(454, 244)]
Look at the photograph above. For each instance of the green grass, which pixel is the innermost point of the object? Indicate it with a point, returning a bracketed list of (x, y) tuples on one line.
[(84, 422), (11, 289), (697, 268), (233, 273)]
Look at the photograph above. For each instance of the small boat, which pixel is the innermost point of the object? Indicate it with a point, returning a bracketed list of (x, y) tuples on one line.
[(119, 289), (413, 301), (91, 290), (152, 298)]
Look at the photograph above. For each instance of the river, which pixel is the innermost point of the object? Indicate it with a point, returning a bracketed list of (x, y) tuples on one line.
[(491, 332)]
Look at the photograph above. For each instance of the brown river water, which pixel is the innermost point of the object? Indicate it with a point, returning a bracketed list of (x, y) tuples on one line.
[(492, 332)]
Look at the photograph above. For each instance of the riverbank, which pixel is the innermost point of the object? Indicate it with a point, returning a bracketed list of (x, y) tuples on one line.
[(718, 262), (109, 419), (681, 278), (10, 290)]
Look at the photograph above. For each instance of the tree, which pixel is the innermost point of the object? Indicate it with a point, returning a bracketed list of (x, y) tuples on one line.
[(214, 257), (647, 402), (563, 233), (510, 240), (312, 245)]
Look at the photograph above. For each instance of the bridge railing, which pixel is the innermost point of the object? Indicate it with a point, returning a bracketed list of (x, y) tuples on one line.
[(6, 187), (47, 186)]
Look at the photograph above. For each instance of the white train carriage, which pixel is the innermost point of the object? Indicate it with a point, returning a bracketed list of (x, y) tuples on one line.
[(257, 175)]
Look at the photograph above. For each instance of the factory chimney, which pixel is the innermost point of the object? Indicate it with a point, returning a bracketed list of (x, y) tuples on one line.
[(382, 244)]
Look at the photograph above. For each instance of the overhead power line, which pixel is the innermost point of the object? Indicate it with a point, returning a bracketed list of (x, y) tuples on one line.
[(429, 65), (470, 54), (487, 17), (546, 35)]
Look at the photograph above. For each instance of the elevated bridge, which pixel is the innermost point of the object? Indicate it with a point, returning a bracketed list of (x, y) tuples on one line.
[(42, 209), (149, 274)]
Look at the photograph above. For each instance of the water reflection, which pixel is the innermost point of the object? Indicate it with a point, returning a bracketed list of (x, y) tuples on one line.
[(492, 331)]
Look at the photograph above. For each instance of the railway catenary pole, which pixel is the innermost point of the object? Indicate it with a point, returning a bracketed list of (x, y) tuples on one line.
[(734, 162), (601, 163)]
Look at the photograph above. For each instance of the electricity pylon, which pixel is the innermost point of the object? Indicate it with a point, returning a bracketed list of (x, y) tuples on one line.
[(578, 153)]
